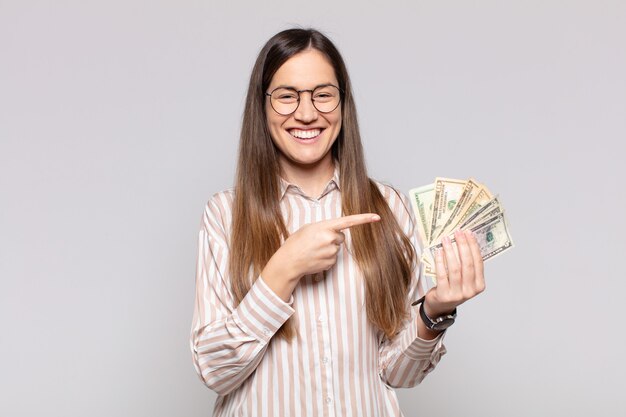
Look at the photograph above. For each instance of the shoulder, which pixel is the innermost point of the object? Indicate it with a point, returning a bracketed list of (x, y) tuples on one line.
[(222, 200), (218, 210)]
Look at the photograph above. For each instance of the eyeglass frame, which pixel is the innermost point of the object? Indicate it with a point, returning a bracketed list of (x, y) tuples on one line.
[(341, 92)]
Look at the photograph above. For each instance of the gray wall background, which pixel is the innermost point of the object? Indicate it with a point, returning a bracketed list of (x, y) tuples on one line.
[(119, 119)]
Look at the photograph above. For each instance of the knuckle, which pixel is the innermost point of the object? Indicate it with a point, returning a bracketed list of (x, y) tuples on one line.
[(456, 294), (452, 298), (328, 237), (468, 293), (449, 295)]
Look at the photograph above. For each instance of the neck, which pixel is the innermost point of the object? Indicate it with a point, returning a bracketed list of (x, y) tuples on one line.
[(310, 178)]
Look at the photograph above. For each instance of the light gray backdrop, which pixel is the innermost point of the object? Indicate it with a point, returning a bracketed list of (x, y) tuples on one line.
[(118, 120)]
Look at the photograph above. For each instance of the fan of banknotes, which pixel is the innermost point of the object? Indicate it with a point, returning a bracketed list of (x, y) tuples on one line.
[(450, 204)]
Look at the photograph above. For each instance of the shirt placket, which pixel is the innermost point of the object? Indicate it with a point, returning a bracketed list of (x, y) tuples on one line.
[(323, 331), (325, 395), (325, 364)]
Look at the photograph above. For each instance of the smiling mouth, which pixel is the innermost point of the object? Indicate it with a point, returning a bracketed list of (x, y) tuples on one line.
[(305, 134)]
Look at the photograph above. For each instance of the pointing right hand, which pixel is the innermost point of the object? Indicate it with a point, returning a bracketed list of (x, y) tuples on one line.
[(314, 247), (311, 249)]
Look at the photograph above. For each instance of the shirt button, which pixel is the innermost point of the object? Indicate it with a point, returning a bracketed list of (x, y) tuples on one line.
[(266, 331), (325, 360), (318, 277), (321, 318), (329, 400)]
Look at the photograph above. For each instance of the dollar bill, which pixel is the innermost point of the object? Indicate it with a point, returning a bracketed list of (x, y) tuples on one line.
[(429, 263), (447, 194), (492, 208), (483, 197), (422, 201), (492, 235), (429, 273), (470, 192)]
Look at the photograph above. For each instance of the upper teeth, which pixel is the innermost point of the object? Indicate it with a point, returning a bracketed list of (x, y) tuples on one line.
[(305, 134)]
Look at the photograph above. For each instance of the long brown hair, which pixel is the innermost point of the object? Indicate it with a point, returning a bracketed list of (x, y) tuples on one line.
[(257, 223)]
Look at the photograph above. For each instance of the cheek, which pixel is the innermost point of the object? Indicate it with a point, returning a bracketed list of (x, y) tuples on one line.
[(276, 132), (336, 129), (337, 122), (273, 125), (273, 119), (338, 118)]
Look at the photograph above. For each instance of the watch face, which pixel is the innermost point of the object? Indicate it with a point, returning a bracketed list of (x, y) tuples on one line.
[(444, 324)]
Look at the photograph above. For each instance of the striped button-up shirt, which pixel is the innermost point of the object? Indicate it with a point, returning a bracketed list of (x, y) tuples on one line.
[(338, 364)]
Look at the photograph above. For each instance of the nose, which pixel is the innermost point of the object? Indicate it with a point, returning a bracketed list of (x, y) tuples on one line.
[(306, 111)]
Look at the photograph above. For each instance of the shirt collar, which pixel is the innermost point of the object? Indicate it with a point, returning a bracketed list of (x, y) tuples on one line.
[(332, 184)]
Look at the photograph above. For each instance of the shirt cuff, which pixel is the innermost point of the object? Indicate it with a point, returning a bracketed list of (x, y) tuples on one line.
[(261, 312), (418, 348)]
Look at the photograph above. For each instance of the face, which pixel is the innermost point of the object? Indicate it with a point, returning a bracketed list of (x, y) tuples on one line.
[(306, 136)]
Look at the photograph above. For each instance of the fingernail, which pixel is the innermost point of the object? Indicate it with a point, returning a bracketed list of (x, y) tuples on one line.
[(375, 217)]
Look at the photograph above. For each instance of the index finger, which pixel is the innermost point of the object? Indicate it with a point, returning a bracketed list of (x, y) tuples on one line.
[(352, 220)]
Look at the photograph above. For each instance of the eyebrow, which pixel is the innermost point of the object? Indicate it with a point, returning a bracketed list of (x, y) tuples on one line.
[(294, 88)]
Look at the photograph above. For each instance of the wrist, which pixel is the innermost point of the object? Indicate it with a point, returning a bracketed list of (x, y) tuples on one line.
[(439, 322), (439, 311), (279, 267), (281, 282), (424, 332)]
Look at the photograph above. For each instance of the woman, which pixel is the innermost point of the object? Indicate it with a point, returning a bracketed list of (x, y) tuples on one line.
[(307, 268)]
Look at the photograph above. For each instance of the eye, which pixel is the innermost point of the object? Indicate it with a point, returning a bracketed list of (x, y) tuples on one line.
[(285, 95), (324, 97)]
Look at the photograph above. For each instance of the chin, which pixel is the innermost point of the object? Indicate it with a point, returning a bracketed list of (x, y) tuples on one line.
[(307, 159)]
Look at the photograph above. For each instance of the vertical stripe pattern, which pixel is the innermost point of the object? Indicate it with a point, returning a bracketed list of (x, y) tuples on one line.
[(338, 364)]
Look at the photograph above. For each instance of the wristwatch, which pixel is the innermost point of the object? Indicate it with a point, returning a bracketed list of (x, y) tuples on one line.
[(439, 323)]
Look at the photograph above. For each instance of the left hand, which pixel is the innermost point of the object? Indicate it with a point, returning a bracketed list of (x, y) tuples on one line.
[(459, 275)]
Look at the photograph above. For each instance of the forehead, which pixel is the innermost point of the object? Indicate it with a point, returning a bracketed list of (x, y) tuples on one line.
[(304, 70)]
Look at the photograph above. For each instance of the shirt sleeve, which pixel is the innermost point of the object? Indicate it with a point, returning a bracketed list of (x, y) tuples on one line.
[(227, 342), (406, 359)]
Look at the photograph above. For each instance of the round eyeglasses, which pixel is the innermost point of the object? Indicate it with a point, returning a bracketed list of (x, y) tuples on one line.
[(285, 100)]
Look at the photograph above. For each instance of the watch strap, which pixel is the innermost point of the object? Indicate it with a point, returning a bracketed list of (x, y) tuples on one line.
[(439, 323)]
